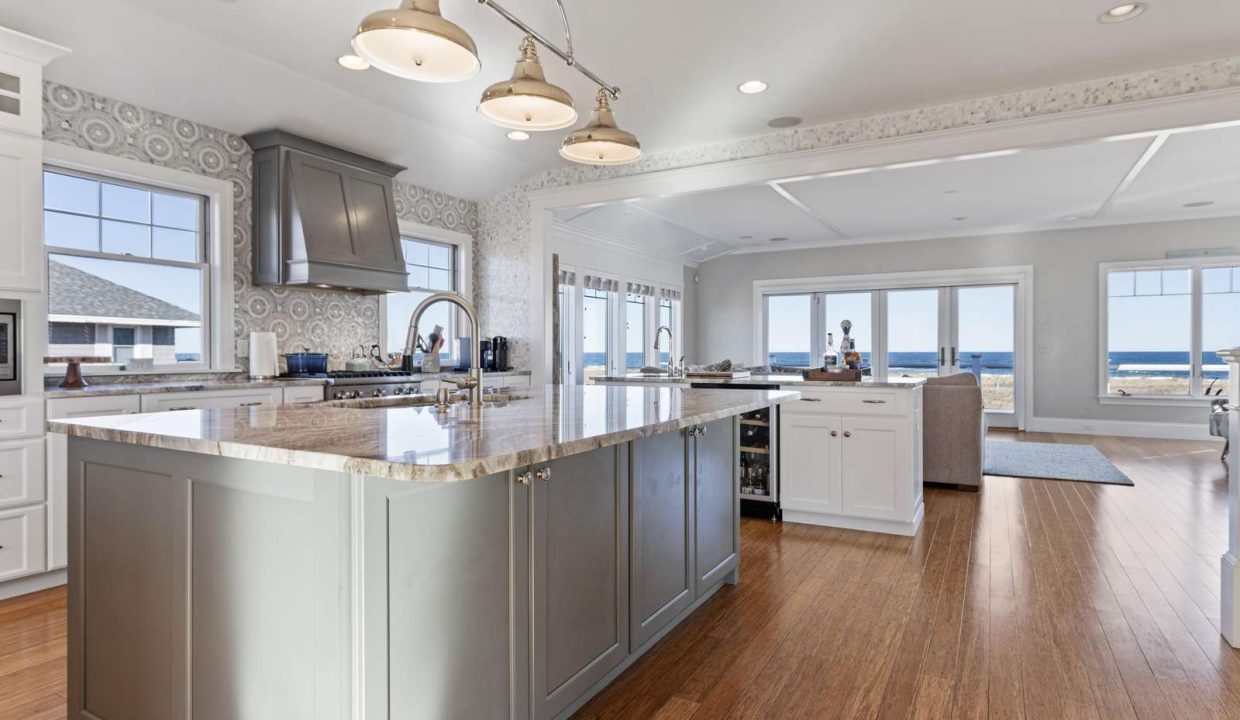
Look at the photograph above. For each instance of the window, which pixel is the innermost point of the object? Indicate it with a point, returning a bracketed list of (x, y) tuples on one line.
[(854, 307), (789, 330), (634, 331), (432, 268), (595, 323), (1164, 323), (127, 269)]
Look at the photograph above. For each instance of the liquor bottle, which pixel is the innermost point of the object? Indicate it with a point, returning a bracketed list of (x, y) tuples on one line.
[(830, 359)]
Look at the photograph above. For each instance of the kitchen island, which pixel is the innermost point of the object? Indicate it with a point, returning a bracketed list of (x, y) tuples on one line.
[(323, 561)]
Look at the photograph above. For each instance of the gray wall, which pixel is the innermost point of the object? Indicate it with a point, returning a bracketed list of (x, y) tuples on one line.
[(1065, 297)]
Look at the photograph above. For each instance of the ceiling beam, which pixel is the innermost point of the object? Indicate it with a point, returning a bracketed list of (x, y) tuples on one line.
[(1130, 177), (819, 217)]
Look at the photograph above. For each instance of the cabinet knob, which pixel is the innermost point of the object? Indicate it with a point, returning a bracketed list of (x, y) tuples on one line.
[(847, 433), (543, 474), (835, 433), (524, 478)]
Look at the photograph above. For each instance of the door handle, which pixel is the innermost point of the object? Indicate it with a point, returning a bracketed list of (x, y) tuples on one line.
[(874, 402), (847, 433), (835, 433), (544, 474), (942, 355), (252, 404), (524, 478), (805, 399), (955, 356), (187, 407)]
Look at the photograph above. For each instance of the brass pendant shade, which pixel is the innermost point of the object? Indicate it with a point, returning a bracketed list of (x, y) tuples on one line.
[(526, 101), (414, 41), (601, 142)]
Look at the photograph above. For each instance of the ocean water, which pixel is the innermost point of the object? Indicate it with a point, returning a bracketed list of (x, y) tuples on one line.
[(1154, 364)]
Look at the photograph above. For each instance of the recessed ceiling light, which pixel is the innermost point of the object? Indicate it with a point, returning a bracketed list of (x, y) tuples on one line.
[(746, 237), (352, 62), (779, 239), (960, 218), (1071, 218), (518, 135), (1120, 13), (752, 87), (950, 192), (784, 122), (1199, 204)]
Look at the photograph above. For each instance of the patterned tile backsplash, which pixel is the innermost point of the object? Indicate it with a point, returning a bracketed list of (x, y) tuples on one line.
[(335, 322)]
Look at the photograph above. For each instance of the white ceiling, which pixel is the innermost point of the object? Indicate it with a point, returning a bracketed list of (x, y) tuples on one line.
[(1140, 179), (244, 65)]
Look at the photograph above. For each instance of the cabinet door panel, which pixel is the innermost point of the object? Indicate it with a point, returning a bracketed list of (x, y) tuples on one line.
[(662, 537), (873, 453), (718, 503), (580, 575), (809, 473)]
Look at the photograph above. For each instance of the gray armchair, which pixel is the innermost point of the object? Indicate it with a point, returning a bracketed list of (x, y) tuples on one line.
[(954, 431)]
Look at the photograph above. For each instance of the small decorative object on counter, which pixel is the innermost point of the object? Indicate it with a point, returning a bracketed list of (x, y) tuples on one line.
[(830, 359), (73, 369), (306, 363)]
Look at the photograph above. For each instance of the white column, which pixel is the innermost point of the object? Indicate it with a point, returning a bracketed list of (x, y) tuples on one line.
[(1231, 575)]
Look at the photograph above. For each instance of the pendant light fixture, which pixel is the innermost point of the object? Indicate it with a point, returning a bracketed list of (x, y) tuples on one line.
[(600, 142), (526, 101), (415, 42)]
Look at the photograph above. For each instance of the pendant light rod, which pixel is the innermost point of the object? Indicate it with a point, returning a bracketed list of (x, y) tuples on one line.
[(565, 55)]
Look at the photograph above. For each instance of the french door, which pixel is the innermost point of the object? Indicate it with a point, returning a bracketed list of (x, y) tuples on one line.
[(964, 328)]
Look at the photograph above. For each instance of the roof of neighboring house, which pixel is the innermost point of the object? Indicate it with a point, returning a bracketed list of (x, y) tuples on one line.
[(76, 292)]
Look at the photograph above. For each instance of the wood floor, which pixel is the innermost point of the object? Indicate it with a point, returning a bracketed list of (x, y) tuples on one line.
[(1031, 599)]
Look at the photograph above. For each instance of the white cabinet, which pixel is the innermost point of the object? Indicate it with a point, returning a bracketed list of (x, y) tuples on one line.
[(21, 473), (296, 394), (21, 417), (21, 212), (851, 458), (22, 542), (204, 399)]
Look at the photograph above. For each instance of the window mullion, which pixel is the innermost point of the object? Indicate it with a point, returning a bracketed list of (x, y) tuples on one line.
[(1195, 361)]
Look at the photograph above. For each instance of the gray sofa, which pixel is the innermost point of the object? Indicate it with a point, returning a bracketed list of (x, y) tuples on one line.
[(954, 431)]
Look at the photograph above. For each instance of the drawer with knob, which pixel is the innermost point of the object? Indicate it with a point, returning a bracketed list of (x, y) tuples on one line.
[(22, 481)]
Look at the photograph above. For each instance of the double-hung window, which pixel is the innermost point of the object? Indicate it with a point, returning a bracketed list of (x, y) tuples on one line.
[(433, 267), (1162, 325), (128, 273)]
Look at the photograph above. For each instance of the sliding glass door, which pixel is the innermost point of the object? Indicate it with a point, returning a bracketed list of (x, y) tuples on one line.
[(985, 341), (914, 343)]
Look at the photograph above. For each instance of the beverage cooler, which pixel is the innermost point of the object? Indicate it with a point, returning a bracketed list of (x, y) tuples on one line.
[(759, 464)]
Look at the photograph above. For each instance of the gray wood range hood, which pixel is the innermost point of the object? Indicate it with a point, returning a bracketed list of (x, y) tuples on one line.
[(324, 217)]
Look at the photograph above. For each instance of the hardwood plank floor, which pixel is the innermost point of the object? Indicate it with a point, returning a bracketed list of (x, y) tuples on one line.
[(1030, 599)]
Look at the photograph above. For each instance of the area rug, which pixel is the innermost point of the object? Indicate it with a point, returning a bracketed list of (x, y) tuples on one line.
[(1051, 461)]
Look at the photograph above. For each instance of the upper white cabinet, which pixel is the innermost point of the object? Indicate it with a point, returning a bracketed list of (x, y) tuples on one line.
[(22, 58)]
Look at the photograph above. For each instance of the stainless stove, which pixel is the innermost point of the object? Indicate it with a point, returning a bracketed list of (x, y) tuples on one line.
[(347, 385)]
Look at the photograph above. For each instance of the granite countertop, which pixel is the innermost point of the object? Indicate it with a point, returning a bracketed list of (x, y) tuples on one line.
[(783, 380), (420, 444), (231, 383)]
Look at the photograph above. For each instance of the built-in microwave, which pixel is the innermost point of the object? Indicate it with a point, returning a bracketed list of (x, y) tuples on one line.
[(10, 353)]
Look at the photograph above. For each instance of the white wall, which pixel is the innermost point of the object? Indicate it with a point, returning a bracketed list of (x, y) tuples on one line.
[(1065, 300)]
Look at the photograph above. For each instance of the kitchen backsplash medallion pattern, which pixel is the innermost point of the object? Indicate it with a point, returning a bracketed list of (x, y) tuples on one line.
[(334, 322), (504, 237)]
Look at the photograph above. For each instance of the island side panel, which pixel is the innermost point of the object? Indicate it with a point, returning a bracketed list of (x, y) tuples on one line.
[(205, 587)]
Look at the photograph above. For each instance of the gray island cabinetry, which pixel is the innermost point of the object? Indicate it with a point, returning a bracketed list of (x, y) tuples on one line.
[(393, 562)]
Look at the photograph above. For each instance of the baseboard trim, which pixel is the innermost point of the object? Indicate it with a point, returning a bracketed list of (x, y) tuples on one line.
[(889, 527), (1123, 428), (33, 583)]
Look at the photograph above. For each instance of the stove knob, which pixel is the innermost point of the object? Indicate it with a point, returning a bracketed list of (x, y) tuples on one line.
[(378, 392), (339, 395), (399, 391)]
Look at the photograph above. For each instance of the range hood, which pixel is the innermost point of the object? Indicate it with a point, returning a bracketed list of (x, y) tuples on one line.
[(324, 217)]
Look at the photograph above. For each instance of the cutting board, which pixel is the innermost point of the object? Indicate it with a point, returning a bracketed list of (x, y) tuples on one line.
[(717, 374)]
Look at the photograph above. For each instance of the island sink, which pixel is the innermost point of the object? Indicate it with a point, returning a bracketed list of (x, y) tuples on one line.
[(393, 561)]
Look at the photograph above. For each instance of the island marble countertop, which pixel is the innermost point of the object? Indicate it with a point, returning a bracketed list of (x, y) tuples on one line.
[(228, 383), (420, 444), (781, 379)]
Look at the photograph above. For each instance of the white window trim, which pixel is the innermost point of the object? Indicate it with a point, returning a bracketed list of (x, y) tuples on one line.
[(1019, 275), (464, 244), (221, 345), (1195, 266)]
